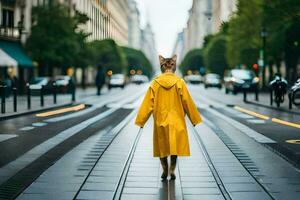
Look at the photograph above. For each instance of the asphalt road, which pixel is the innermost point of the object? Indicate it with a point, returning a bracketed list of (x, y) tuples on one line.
[(78, 142)]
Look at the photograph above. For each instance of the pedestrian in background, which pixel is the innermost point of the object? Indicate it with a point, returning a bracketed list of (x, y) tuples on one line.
[(169, 101), (100, 79)]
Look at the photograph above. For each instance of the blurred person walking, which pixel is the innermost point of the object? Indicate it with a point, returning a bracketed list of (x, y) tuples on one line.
[(168, 99), (100, 80)]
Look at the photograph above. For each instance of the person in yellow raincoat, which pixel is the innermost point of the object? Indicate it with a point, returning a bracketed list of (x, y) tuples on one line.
[(169, 101)]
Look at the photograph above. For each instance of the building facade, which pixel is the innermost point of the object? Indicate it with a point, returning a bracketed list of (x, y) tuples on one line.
[(179, 47), (199, 24), (205, 17), (148, 45), (134, 28), (222, 11)]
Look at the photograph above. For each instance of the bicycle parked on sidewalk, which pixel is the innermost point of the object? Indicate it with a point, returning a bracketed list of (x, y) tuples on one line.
[(279, 88)]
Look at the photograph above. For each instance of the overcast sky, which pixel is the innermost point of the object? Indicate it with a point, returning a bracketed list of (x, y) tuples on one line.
[(167, 17)]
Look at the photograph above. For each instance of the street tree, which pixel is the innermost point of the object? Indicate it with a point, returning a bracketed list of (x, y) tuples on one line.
[(244, 29), (193, 61), (215, 55), (108, 55), (55, 40), (137, 60)]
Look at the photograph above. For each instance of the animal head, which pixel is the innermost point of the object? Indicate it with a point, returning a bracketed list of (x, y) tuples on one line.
[(167, 63)]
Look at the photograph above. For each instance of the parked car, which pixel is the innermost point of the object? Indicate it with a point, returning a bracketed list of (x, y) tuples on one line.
[(193, 79), (212, 80), (238, 79), (139, 79), (37, 83), (62, 83), (117, 80)]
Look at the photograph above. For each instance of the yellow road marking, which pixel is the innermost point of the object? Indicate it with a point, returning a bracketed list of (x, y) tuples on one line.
[(249, 112), (64, 110), (285, 123), (293, 141)]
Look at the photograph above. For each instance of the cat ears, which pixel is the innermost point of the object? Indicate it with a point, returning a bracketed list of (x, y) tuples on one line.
[(174, 58), (161, 59)]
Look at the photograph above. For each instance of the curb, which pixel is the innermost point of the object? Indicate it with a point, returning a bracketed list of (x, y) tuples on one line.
[(35, 111)]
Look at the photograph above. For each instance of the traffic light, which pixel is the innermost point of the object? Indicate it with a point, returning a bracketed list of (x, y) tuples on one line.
[(255, 67)]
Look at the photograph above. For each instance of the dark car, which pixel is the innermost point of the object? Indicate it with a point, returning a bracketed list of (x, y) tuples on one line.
[(37, 83), (238, 79), (212, 80)]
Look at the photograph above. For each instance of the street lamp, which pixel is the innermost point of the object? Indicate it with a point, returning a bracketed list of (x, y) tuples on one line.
[(263, 35)]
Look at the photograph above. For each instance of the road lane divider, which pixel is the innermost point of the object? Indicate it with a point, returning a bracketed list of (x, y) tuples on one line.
[(60, 111), (276, 120), (293, 141), (4, 137), (243, 128), (285, 123), (102, 102), (249, 112)]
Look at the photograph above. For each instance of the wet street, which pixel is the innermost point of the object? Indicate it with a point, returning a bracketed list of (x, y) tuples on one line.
[(93, 150)]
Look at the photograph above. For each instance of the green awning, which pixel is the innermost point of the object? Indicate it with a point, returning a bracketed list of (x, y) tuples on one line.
[(14, 50)]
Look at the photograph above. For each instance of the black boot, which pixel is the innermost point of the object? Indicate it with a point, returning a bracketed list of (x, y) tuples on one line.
[(164, 164), (172, 167)]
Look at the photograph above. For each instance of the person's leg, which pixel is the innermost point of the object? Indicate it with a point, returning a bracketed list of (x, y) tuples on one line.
[(164, 164), (173, 166)]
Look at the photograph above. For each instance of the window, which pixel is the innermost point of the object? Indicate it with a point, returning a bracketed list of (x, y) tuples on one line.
[(7, 18)]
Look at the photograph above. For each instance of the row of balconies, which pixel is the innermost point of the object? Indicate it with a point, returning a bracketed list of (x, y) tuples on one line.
[(10, 33)]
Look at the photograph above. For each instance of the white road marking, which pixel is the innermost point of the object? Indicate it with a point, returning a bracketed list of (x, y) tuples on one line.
[(4, 137), (256, 121), (26, 128), (39, 124), (244, 116)]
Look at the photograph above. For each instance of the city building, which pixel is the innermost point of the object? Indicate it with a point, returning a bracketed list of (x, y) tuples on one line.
[(199, 24), (205, 17), (179, 47), (118, 20), (134, 34), (115, 19), (222, 11), (148, 45), (14, 19)]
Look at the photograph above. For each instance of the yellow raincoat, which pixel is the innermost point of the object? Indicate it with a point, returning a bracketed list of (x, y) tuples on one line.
[(169, 100)]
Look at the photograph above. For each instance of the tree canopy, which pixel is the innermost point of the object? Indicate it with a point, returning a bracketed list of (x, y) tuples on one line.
[(55, 39), (137, 61), (277, 22), (107, 54), (215, 55), (193, 61)]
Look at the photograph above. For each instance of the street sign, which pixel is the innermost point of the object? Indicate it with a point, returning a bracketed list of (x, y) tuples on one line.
[(261, 62)]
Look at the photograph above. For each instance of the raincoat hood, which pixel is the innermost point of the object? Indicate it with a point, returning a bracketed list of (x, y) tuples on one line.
[(167, 80)]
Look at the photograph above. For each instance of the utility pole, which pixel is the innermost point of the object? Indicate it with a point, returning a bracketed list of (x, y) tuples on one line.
[(263, 55)]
